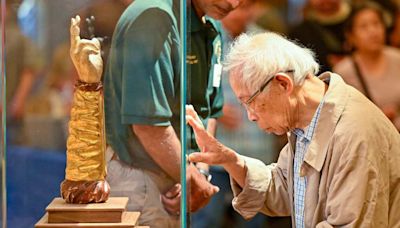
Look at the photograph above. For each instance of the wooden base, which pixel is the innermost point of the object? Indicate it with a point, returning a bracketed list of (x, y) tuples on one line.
[(109, 212), (129, 220)]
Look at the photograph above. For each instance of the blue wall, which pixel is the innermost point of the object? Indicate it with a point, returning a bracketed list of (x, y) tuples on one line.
[(33, 180)]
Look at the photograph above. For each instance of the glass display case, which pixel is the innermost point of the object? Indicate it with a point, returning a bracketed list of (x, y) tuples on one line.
[(43, 94), (157, 56)]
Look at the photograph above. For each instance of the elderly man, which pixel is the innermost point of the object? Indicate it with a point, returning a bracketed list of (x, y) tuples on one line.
[(341, 164)]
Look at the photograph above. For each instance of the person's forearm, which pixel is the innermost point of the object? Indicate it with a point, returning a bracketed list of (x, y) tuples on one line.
[(236, 167), (24, 87), (26, 84), (163, 146)]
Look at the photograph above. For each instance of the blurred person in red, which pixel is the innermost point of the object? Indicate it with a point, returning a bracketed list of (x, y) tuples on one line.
[(373, 67)]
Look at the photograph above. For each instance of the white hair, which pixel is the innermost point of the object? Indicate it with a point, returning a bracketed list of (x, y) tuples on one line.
[(254, 58)]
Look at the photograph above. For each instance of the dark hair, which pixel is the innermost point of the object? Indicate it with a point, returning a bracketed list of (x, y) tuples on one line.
[(357, 8)]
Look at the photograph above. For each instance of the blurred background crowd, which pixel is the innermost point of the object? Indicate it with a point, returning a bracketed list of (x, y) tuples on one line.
[(357, 39)]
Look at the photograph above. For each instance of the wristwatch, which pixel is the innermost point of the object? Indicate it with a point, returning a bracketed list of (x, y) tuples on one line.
[(206, 174)]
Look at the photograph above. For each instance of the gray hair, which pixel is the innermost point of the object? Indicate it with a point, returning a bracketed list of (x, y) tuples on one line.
[(255, 58)]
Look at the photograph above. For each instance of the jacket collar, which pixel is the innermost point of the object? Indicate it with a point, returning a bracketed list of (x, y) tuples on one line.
[(336, 99)]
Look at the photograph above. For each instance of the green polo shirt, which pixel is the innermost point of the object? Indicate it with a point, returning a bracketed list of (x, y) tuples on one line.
[(142, 77), (204, 51)]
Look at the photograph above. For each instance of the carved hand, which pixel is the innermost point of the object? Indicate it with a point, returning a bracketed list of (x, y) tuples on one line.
[(85, 54)]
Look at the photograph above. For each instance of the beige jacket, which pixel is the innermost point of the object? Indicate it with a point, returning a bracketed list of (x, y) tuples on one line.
[(352, 167)]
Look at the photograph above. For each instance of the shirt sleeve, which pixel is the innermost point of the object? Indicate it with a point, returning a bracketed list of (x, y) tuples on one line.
[(265, 189), (147, 71)]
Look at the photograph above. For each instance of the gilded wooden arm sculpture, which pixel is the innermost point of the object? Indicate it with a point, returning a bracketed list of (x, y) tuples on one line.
[(86, 170)]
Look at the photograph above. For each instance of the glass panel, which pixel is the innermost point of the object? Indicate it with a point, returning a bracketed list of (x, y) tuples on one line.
[(212, 27), (3, 201), (50, 101), (183, 134)]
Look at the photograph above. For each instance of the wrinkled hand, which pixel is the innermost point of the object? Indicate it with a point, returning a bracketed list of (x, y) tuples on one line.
[(85, 54), (200, 190), (213, 152), (199, 193), (172, 200)]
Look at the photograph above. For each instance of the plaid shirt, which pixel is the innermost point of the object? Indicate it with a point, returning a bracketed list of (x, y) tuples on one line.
[(303, 139)]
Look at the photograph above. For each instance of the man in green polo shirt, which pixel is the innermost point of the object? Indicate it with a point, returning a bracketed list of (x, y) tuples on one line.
[(204, 90), (142, 107)]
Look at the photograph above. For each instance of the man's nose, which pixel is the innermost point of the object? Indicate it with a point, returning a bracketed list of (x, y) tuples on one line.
[(251, 116)]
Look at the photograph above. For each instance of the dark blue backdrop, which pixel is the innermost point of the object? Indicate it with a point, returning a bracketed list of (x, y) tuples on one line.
[(33, 179)]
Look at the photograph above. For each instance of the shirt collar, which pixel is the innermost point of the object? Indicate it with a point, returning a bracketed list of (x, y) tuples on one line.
[(195, 23), (308, 132)]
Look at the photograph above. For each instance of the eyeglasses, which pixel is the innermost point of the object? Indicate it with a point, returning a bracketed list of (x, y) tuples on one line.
[(247, 103)]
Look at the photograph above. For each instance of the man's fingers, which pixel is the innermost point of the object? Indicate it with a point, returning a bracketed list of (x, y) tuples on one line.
[(201, 157), (74, 30), (194, 124), (195, 157), (197, 127), (174, 191), (212, 190), (171, 205), (191, 112), (215, 189)]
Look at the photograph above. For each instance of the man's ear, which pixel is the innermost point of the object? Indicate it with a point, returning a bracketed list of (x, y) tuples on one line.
[(285, 83)]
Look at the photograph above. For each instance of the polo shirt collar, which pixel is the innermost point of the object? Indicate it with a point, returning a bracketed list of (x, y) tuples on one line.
[(206, 23), (195, 24)]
